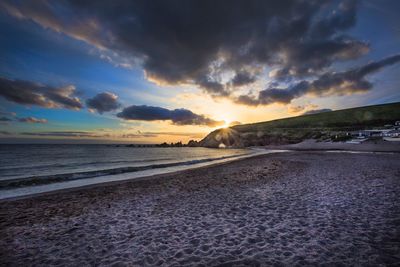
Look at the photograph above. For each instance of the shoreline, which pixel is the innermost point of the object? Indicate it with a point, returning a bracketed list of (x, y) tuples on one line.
[(127, 177), (287, 209), (306, 146)]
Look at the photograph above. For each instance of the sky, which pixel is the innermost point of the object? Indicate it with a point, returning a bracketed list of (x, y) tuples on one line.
[(153, 71)]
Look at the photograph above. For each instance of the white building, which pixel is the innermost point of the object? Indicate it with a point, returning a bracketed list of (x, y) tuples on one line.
[(393, 133), (374, 133)]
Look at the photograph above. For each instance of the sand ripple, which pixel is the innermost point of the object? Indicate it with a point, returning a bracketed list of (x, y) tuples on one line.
[(275, 210)]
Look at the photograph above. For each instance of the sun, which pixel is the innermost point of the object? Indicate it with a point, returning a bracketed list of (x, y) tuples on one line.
[(227, 124)]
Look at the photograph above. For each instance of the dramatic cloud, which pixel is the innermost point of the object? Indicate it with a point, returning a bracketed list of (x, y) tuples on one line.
[(191, 135), (295, 109), (243, 78), (30, 93), (200, 42), (138, 135), (66, 134), (316, 111), (32, 120), (177, 116), (330, 83), (3, 119), (101, 135), (156, 134), (6, 113), (103, 102), (6, 117), (12, 116)]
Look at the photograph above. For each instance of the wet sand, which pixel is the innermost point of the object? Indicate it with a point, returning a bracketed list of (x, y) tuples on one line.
[(297, 208)]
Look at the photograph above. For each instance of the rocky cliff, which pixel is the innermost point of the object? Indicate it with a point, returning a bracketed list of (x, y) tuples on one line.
[(296, 129)]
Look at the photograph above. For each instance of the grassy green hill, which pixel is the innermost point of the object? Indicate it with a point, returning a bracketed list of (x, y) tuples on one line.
[(296, 129)]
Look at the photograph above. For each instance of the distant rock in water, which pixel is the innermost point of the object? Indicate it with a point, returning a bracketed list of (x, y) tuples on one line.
[(177, 144), (193, 143)]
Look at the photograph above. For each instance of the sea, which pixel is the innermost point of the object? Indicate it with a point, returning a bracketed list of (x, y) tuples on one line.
[(34, 169)]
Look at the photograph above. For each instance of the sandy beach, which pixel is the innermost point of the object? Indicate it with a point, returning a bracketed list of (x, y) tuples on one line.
[(367, 146), (287, 209)]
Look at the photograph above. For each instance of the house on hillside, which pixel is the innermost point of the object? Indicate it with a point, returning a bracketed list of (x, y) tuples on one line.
[(393, 136), (388, 133), (393, 133), (396, 125), (373, 133)]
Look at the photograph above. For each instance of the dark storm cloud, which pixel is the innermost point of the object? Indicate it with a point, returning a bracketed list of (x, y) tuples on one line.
[(330, 83), (3, 119), (309, 59), (192, 41), (337, 21), (212, 87), (6, 117), (177, 116), (316, 111), (31, 93), (32, 120), (243, 78), (103, 102)]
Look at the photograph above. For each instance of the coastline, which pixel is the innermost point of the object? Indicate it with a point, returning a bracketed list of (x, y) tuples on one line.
[(87, 183), (32, 191), (288, 208)]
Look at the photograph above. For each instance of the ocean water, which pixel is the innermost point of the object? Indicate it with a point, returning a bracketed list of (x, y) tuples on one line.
[(30, 169), (33, 169), (19, 162)]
